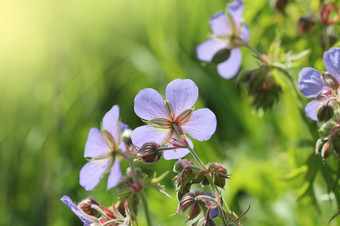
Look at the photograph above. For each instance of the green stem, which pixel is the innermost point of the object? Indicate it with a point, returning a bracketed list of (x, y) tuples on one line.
[(141, 193)]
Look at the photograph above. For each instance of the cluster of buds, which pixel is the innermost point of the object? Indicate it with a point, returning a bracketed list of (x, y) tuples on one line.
[(187, 174), (195, 202), (329, 140), (218, 173), (94, 214), (262, 86)]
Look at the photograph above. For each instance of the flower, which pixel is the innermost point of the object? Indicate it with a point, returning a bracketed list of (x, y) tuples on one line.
[(85, 218), (323, 86), (164, 116), (103, 147), (227, 35), (213, 211)]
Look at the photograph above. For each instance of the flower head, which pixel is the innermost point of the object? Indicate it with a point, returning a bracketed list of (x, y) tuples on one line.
[(323, 86), (85, 218), (228, 32), (166, 117), (102, 148)]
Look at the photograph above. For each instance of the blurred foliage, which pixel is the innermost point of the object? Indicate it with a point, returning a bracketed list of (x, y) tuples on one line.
[(63, 64)]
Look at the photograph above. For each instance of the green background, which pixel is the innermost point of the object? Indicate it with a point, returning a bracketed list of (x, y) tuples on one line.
[(64, 64)]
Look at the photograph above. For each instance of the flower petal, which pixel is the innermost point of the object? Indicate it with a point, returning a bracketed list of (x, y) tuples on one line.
[(219, 24), (331, 59), (144, 134), (149, 104), (75, 209), (202, 124), (235, 9), (177, 153), (93, 172), (207, 50), (310, 82), (111, 123), (311, 108), (182, 94), (230, 67), (245, 33), (115, 175), (96, 146)]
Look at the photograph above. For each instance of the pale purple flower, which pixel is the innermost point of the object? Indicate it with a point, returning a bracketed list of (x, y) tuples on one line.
[(312, 82), (85, 218), (227, 33), (102, 148), (162, 115)]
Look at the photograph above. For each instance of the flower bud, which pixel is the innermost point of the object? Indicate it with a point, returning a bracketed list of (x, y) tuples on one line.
[(181, 164), (126, 136), (221, 56), (205, 221), (86, 206), (325, 14), (191, 202), (149, 152), (306, 24), (218, 173), (325, 113)]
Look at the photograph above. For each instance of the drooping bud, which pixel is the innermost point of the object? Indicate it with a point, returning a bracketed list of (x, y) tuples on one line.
[(87, 206), (221, 56), (218, 173), (192, 203), (330, 81), (306, 24), (325, 113), (149, 152), (205, 221), (126, 133), (326, 127)]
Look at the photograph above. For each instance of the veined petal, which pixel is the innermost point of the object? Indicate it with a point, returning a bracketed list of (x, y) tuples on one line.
[(86, 219), (93, 172), (219, 24), (311, 108), (207, 50), (230, 67), (235, 9), (182, 94), (177, 153), (111, 123), (149, 104), (115, 175), (144, 134), (310, 82), (331, 60), (96, 146), (202, 124)]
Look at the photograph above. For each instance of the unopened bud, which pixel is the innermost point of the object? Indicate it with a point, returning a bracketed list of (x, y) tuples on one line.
[(306, 24), (330, 81), (191, 202), (221, 56), (149, 152), (126, 135), (325, 14), (205, 221), (219, 174), (181, 164), (325, 113), (87, 206)]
